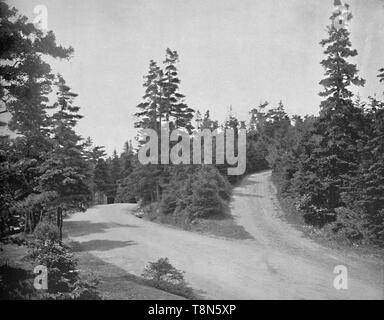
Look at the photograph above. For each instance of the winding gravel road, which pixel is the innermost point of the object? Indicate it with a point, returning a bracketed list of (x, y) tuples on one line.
[(279, 263)]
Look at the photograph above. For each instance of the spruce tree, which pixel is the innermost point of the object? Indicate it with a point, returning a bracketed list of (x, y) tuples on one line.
[(26, 79), (126, 160), (66, 171), (174, 109), (114, 173), (25, 84), (101, 176), (330, 156), (367, 195), (149, 115)]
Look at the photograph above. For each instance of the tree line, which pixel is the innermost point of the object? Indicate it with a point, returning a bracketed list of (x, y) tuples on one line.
[(331, 166), (46, 168), (333, 169)]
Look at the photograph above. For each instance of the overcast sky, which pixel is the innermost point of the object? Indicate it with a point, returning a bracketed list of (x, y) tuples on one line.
[(232, 52)]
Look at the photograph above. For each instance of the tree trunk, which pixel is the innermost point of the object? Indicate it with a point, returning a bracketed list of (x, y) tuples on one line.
[(59, 221), (157, 192)]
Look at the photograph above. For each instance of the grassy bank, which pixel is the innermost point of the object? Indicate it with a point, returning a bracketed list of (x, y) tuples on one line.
[(219, 225)]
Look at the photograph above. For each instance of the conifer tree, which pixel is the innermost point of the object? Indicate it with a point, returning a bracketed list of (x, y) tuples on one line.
[(101, 176), (126, 159), (25, 83), (26, 79), (330, 155), (66, 171), (367, 190), (173, 106), (149, 115)]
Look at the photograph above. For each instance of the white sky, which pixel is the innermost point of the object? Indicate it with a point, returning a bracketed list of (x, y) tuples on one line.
[(232, 52)]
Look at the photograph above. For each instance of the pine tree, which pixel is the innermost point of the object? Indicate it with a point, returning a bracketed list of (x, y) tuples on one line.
[(26, 81), (208, 123), (162, 104), (126, 160), (258, 118), (173, 106), (66, 170), (101, 176), (367, 194), (114, 173), (149, 115), (330, 156), (340, 74), (115, 166)]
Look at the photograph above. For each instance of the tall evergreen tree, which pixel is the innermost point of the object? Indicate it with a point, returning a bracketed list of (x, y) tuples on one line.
[(173, 107), (66, 170), (25, 83), (149, 115), (126, 160), (367, 190), (101, 176), (330, 155), (26, 79)]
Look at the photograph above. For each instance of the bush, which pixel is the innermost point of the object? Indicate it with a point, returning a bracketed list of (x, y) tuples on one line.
[(196, 192), (47, 231), (352, 225), (63, 277), (34, 207), (168, 203), (162, 275), (312, 214)]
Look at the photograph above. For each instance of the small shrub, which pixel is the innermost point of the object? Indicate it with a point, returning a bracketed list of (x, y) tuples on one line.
[(163, 275), (352, 225), (312, 214), (63, 277), (47, 231), (168, 203)]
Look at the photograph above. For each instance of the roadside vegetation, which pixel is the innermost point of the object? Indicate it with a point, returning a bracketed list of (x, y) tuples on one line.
[(330, 167), (64, 280), (333, 169), (163, 275)]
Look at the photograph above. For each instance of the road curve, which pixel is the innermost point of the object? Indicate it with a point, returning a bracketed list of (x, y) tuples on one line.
[(279, 263)]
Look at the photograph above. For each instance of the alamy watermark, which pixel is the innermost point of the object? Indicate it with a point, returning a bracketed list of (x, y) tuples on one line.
[(180, 153), (341, 280), (41, 280), (341, 15), (41, 17)]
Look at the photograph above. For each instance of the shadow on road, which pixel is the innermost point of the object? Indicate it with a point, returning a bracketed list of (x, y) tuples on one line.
[(100, 245), (242, 194), (83, 228)]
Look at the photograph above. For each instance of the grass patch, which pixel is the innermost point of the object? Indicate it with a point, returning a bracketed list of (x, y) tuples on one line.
[(220, 225), (117, 284)]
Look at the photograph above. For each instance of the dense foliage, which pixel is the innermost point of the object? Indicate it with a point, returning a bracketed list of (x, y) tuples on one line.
[(64, 281), (163, 275), (46, 168), (330, 165), (334, 171), (42, 167)]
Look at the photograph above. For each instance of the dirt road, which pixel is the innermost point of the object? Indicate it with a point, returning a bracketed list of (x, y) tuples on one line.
[(279, 263)]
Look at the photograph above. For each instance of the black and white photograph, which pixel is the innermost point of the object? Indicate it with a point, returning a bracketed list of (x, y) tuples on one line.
[(193, 154)]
